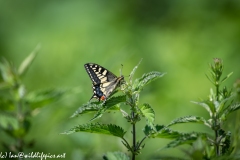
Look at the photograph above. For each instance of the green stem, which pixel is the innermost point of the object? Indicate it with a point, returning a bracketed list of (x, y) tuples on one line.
[(141, 142), (134, 136), (217, 92), (217, 124), (217, 143), (20, 124), (126, 142)]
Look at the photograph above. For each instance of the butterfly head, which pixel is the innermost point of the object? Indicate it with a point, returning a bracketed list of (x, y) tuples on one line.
[(103, 98)]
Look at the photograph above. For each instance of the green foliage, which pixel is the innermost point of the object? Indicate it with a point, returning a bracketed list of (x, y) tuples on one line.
[(189, 119), (109, 129), (100, 108), (187, 138), (38, 99), (146, 79), (130, 97), (28, 61), (148, 112), (17, 105), (161, 132), (219, 105)]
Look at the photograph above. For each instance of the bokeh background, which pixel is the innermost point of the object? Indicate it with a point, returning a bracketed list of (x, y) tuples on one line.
[(177, 37)]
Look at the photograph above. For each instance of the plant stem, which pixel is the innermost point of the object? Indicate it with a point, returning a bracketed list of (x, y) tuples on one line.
[(216, 123), (20, 124), (217, 143), (217, 92), (139, 145), (134, 136)]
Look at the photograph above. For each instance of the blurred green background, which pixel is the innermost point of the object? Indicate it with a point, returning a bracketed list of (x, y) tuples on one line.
[(177, 37)]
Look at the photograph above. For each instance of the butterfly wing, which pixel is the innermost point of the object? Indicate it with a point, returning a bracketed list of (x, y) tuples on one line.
[(104, 82)]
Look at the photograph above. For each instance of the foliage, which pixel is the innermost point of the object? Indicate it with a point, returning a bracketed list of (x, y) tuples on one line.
[(204, 146), (131, 91), (219, 105), (17, 106)]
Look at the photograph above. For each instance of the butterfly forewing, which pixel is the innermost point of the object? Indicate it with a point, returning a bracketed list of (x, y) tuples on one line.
[(104, 81)]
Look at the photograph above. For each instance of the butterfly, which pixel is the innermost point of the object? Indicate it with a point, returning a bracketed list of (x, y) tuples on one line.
[(104, 82)]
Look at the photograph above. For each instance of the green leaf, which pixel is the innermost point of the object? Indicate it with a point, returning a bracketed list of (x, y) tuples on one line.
[(115, 156), (146, 79), (161, 132), (8, 120), (223, 105), (229, 110), (148, 113), (100, 107), (190, 119), (168, 133), (42, 98), (150, 132), (208, 105), (234, 107), (133, 71), (225, 78), (209, 79), (87, 108), (186, 138), (227, 148), (28, 61), (108, 105), (108, 129), (9, 74), (124, 113), (114, 100)]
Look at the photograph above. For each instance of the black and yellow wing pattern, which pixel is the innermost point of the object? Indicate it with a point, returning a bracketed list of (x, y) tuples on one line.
[(104, 82)]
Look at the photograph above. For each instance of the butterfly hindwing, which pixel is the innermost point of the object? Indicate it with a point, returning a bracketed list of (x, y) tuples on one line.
[(104, 82)]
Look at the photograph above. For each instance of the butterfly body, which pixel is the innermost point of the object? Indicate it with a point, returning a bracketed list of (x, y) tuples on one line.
[(104, 82)]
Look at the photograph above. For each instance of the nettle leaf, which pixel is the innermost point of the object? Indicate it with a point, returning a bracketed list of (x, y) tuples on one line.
[(111, 104), (150, 132), (146, 79), (42, 98), (190, 119), (108, 129), (101, 107), (8, 121), (185, 138), (115, 156), (8, 74), (114, 100), (208, 105), (124, 113), (229, 110), (224, 105), (225, 78), (28, 61), (148, 113), (87, 108), (161, 131), (168, 133), (133, 71), (220, 107)]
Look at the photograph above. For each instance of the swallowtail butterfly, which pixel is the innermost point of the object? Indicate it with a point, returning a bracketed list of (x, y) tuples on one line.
[(104, 82)]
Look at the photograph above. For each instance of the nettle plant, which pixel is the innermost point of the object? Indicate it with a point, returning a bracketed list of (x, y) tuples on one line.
[(219, 105), (131, 91), (18, 106)]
